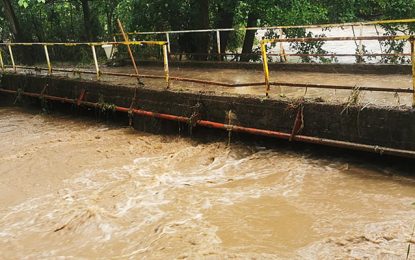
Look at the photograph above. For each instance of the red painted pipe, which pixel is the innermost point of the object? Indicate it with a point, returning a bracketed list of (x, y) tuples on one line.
[(233, 128)]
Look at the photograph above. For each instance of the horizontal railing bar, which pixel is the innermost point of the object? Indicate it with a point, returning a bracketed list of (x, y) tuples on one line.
[(346, 38), (279, 27), (84, 43), (234, 85), (252, 54), (357, 38), (342, 54), (293, 54)]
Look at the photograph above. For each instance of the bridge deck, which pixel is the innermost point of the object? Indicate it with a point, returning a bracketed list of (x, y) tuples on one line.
[(251, 75)]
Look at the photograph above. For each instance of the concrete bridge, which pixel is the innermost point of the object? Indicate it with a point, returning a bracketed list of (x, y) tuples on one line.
[(356, 106)]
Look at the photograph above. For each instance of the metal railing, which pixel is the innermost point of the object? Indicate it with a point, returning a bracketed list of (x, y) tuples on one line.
[(93, 45), (263, 44), (223, 53), (98, 72), (268, 83)]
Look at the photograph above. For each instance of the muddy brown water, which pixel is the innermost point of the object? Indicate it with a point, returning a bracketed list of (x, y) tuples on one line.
[(77, 188)]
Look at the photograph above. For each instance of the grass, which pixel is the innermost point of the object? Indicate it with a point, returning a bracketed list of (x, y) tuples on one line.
[(353, 99)]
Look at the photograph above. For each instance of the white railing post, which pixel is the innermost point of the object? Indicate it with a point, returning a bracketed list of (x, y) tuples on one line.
[(218, 41), (168, 42), (48, 59), (94, 54)]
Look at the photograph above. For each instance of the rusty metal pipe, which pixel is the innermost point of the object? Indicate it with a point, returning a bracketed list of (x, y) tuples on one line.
[(175, 79), (240, 129), (297, 54), (200, 81), (235, 85), (342, 87), (147, 76), (344, 55)]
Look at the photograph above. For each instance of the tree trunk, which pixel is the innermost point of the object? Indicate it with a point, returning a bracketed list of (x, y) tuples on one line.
[(13, 22), (249, 38), (200, 20), (226, 15), (87, 21), (91, 22), (24, 55)]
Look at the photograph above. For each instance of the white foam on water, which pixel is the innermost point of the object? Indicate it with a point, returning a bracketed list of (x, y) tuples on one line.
[(162, 201)]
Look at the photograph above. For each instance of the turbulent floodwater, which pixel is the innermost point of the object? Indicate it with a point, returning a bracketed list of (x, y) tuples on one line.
[(73, 188)]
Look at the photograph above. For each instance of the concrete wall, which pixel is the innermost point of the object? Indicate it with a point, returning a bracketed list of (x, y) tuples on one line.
[(388, 127)]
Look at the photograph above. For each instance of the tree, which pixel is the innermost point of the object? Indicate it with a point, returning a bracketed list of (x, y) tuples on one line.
[(14, 23), (226, 12), (199, 19), (252, 21), (109, 8), (92, 20)]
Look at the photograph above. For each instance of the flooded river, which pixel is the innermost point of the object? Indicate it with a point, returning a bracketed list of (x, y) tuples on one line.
[(77, 188)]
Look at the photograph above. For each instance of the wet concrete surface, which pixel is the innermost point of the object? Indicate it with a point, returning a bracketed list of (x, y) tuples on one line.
[(400, 81)]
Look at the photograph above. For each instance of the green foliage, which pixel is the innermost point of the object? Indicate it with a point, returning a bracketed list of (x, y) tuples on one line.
[(105, 107), (25, 3), (86, 20)]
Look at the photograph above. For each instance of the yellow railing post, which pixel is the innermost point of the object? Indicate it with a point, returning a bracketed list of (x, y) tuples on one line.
[(1, 61), (12, 57), (166, 64), (413, 70), (48, 59), (265, 64), (94, 54)]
